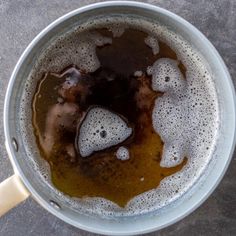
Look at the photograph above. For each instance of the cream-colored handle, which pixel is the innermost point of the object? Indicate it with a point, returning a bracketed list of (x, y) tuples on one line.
[(12, 192)]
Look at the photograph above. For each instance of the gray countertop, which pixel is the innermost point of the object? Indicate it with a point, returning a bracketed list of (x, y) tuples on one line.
[(21, 21)]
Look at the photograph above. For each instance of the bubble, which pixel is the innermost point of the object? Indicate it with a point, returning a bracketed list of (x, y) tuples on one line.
[(142, 179)]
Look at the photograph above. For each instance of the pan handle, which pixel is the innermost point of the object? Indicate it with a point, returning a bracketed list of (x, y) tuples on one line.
[(12, 192)]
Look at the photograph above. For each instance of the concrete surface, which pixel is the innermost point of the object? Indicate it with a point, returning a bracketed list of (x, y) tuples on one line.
[(21, 21)]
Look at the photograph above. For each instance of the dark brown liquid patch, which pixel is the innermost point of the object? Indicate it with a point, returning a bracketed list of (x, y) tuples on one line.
[(61, 102)]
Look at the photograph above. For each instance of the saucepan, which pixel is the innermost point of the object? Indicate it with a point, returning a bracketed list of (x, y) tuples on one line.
[(26, 182)]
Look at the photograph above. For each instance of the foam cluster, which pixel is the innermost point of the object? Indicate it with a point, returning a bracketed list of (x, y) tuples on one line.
[(171, 111), (77, 49), (179, 114), (152, 42), (166, 76), (101, 129), (117, 29), (122, 153), (186, 116), (138, 73)]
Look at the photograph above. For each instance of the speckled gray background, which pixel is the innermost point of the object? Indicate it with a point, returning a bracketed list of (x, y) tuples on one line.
[(21, 21)]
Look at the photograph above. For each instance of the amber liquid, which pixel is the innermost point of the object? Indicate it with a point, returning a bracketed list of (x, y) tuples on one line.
[(58, 109)]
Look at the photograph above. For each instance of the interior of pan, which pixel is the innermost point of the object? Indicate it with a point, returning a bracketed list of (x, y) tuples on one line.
[(53, 200)]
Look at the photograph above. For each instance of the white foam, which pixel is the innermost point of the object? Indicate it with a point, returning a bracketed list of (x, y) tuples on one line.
[(152, 42), (170, 111), (122, 153), (166, 76), (138, 73), (77, 49), (203, 119), (179, 114), (101, 129), (117, 29)]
